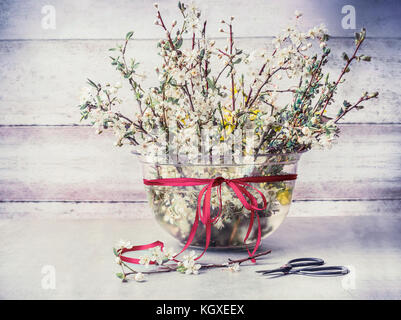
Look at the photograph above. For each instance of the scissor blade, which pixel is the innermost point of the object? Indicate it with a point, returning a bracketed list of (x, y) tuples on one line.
[(263, 272)]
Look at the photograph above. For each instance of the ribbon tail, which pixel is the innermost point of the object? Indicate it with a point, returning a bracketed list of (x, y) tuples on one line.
[(206, 219), (251, 207), (248, 233), (258, 239), (198, 217), (139, 248)]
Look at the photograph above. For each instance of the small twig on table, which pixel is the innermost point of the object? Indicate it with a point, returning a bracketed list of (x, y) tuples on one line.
[(173, 267), (239, 261)]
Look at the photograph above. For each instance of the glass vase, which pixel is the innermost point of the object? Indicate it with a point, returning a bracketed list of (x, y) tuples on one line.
[(175, 207)]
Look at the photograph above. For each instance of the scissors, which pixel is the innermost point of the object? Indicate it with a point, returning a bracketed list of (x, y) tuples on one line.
[(307, 266)]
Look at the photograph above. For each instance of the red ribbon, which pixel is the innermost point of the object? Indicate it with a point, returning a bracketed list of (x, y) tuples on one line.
[(203, 212), (139, 248)]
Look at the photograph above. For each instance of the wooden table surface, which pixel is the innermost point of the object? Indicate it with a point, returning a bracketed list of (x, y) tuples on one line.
[(81, 253)]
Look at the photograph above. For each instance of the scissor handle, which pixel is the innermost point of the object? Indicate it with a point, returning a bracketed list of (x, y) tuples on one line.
[(324, 271), (305, 262)]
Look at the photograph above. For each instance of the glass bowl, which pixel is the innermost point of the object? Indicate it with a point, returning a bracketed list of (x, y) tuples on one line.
[(175, 207)]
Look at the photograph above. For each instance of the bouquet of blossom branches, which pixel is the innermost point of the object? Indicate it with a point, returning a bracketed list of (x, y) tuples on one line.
[(269, 104), (223, 91)]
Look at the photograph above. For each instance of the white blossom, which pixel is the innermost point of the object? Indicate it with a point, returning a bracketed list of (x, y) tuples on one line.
[(234, 267), (306, 131), (145, 260), (124, 244), (198, 84), (157, 255), (298, 14), (192, 268), (189, 258), (219, 223), (326, 142), (169, 253), (139, 277)]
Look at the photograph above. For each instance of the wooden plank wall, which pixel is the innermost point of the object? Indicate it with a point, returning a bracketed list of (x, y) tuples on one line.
[(51, 165)]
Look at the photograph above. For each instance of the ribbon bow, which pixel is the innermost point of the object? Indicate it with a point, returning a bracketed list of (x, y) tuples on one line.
[(203, 212)]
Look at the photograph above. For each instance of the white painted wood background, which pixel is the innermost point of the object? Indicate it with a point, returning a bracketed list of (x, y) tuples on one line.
[(51, 164)]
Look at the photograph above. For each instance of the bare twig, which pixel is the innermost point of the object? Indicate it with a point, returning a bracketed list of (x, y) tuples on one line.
[(168, 267)]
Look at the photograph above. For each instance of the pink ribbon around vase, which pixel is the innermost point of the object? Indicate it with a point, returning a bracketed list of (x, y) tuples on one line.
[(203, 212)]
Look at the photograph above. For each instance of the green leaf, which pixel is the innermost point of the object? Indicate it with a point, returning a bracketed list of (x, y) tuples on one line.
[(211, 83), (363, 34), (115, 252), (202, 54), (229, 71), (129, 35), (92, 83), (120, 275), (365, 58), (374, 95), (346, 104), (114, 62), (178, 44), (237, 61), (181, 269), (357, 36), (326, 80)]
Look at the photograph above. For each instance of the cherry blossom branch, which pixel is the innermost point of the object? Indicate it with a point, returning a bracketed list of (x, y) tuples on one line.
[(266, 82), (344, 70), (168, 267), (239, 261), (165, 29), (232, 75), (365, 97)]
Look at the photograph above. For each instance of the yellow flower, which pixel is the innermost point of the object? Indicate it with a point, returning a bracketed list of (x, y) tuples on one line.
[(183, 120), (227, 116), (235, 91), (253, 115), (277, 129), (226, 132), (228, 123), (284, 196)]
